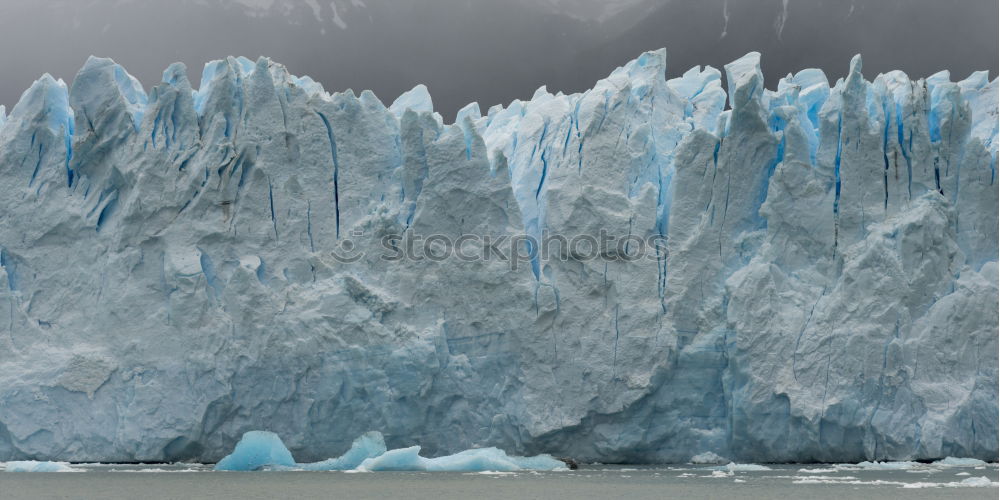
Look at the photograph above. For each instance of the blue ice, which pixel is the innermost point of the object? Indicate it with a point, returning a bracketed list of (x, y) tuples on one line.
[(256, 450), (262, 450)]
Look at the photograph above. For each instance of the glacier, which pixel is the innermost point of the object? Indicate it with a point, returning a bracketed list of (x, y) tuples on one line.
[(171, 271)]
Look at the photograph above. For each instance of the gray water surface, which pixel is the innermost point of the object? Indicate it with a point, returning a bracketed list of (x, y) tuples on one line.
[(186, 481)]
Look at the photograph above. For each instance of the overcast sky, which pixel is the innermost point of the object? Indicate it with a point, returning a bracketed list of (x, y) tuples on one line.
[(491, 51)]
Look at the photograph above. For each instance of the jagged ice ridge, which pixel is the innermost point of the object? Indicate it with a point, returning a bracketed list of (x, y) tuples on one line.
[(828, 290)]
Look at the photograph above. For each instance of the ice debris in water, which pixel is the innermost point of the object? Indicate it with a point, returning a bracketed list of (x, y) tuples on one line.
[(259, 450), (971, 482), (976, 482), (36, 466), (960, 462), (735, 467), (708, 458), (887, 465), (475, 460)]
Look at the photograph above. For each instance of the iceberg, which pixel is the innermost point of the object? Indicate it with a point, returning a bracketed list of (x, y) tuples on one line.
[(264, 450), (960, 462), (804, 274), (974, 482), (735, 467), (369, 445), (256, 450), (476, 460), (259, 450)]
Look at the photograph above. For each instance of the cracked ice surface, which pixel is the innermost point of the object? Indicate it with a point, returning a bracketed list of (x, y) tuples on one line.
[(828, 290)]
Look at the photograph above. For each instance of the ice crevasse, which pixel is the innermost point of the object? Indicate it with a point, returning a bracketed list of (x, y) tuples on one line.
[(827, 290)]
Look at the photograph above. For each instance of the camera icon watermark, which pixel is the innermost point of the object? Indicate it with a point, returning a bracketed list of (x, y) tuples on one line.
[(347, 251)]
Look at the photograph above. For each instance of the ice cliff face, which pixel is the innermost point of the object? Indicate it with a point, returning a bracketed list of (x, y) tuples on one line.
[(827, 289)]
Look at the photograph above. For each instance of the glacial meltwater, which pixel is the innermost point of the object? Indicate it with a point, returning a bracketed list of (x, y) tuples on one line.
[(748, 481)]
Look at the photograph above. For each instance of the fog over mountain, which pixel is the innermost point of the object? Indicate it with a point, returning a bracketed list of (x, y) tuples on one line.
[(490, 51)]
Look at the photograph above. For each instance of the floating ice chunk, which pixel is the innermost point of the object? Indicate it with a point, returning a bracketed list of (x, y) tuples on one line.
[(35, 466), (708, 458), (974, 482), (402, 459), (417, 99), (971, 482), (735, 467), (257, 449), (887, 465), (960, 462), (476, 460), (368, 445)]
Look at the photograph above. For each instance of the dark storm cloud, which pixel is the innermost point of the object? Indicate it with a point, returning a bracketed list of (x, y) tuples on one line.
[(491, 51)]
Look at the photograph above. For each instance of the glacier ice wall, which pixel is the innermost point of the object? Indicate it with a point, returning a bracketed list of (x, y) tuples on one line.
[(827, 291)]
